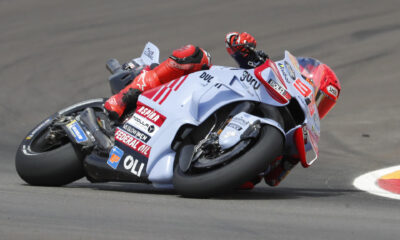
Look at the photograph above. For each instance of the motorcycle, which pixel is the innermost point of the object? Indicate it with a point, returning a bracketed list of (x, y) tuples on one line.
[(200, 134)]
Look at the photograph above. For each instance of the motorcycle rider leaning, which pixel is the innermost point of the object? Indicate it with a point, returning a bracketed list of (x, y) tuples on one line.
[(183, 61), (189, 59)]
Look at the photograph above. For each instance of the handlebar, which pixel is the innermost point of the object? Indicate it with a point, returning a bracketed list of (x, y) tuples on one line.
[(113, 65)]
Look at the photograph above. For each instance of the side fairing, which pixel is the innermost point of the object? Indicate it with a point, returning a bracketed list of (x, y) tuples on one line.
[(188, 100)]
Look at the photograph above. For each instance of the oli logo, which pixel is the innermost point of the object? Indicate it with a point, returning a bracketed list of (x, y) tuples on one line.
[(131, 164)]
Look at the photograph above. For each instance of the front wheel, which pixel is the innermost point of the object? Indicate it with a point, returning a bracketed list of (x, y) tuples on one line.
[(241, 169), (45, 160)]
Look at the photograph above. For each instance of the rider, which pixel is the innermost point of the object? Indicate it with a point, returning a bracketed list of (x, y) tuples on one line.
[(186, 60), (183, 61)]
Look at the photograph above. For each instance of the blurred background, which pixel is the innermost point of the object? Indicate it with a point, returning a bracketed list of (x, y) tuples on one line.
[(53, 54)]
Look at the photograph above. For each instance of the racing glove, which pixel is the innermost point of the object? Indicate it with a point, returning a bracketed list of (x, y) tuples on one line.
[(239, 43), (241, 46)]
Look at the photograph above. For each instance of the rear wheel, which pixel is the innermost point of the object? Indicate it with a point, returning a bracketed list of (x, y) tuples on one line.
[(46, 156)]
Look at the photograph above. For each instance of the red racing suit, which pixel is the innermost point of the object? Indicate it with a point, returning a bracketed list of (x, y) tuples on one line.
[(183, 61)]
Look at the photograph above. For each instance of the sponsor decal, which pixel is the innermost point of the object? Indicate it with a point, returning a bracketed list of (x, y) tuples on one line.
[(290, 70), (133, 165), (143, 124), (206, 77), (302, 88), (132, 142), (141, 81), (136, 133), (240, 121), (235, 126), (77, 131), (150, 114), (115, 157), (283, 71), (249, 79), (281, 90), (332, 90), (149, 53), (310, 81)]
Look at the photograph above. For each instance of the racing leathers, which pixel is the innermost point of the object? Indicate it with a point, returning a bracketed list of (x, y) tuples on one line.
[(183, 61)]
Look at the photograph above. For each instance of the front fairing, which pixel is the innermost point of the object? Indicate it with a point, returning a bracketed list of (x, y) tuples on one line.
[(303, 91)]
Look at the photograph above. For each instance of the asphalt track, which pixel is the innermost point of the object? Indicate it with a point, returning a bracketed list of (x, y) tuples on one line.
[(52, 54)]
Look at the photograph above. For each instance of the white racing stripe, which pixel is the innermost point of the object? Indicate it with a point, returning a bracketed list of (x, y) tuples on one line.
[(368, 182)]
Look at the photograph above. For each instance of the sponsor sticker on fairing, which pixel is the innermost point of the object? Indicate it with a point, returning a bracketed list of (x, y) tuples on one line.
[(77, 131), (143, 124), (281, 90), (150, 114), (290, 70), (132, 142), (332, 90), (133, 165), (115, 157), (136, 133)]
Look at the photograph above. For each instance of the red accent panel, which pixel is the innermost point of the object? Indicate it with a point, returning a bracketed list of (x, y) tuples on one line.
[(179, 85), (299, 142), (150, 93), (172, 83), (302, 88), (275, 70), (166, 95), (391, 185), (150, 114), (325, 106), (274, 94), (159, 94)]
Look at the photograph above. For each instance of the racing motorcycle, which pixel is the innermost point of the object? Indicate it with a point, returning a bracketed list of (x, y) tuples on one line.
[(200, 134)]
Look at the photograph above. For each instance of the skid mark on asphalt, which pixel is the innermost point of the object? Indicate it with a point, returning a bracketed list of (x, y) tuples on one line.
[(369, 182)]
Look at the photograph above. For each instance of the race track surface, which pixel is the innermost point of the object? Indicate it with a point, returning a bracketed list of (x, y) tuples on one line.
[(53, 53)]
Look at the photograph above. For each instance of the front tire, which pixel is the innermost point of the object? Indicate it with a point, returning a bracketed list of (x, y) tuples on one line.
[(247, 166)]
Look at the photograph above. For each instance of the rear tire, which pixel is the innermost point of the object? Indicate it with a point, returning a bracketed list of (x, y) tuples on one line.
[(54, 167), (247, 166)]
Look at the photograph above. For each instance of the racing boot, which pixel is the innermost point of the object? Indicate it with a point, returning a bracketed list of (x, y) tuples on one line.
[(280, 171), (183, 61)]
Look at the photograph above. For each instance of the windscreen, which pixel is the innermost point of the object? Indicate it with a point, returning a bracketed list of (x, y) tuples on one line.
[(308, 66)]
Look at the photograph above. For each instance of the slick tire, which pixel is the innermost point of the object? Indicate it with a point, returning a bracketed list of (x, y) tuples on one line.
[(251, 163), (53, 168)]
